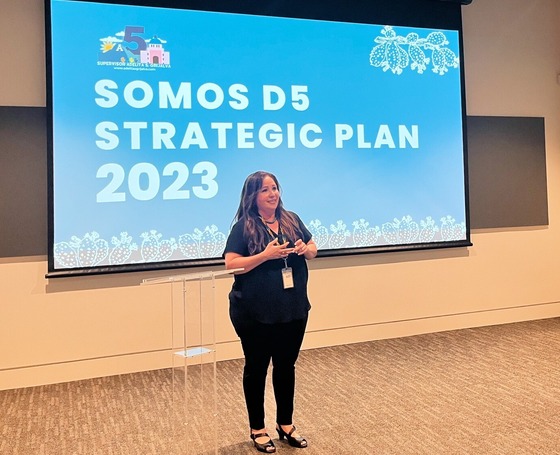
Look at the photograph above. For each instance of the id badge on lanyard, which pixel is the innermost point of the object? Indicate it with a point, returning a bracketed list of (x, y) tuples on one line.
[(287, 276)]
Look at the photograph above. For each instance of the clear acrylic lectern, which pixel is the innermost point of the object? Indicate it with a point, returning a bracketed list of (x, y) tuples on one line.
[(194, 405)]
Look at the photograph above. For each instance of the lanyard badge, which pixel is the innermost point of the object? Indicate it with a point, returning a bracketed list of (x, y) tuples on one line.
[(287, 276)]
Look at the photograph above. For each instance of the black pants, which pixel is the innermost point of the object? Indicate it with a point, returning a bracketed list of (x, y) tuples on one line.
[(261, 343)]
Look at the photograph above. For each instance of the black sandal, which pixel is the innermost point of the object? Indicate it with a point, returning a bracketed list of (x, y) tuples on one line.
[(298, 442), (267, 447)]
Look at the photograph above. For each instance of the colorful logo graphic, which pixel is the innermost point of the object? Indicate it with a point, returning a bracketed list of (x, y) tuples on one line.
[(129, 49)]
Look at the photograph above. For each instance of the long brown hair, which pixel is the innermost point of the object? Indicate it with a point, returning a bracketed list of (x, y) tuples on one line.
[(255, 231)]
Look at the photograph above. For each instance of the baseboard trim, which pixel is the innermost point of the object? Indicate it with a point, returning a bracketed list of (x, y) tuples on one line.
[(36, 375), (430, 324)]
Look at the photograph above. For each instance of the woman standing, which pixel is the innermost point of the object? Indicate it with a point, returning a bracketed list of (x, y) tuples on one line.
[(268, 301)]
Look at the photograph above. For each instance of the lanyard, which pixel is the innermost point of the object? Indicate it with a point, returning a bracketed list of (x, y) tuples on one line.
[(273, 234), (278, 236)]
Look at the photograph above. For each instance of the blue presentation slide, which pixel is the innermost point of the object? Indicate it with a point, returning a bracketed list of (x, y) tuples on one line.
[(160, 114)]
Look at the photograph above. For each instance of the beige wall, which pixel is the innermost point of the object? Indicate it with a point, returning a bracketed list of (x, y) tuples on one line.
[(67, 329)]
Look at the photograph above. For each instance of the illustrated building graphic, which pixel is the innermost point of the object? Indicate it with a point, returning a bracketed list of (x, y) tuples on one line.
[(155, 53)]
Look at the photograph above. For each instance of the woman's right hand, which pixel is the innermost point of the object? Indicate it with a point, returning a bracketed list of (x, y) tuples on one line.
[(275, 250)]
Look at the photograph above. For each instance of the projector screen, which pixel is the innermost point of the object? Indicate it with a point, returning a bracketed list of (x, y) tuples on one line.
[(158, 114)]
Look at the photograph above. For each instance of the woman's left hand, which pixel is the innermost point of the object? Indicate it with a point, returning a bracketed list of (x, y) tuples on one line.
[(300, 247), (308, 250)]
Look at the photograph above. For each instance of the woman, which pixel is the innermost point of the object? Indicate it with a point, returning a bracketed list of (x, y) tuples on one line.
[(268, 301)]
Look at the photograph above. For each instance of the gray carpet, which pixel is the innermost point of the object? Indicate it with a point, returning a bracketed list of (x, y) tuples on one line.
[(491, 390)]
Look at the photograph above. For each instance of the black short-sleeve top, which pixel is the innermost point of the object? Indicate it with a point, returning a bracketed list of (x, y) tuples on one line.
[(259, 294)]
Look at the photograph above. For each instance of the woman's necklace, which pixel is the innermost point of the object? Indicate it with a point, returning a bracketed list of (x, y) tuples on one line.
[(269, 222)]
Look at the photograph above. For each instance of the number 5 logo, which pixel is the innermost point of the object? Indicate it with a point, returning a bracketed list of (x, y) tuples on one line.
[(131, 36)]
